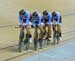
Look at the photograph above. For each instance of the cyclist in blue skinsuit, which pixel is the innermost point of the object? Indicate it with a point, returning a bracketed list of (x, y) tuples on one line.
[(24, 20), (47, 21), (57, 17), (36, 22)]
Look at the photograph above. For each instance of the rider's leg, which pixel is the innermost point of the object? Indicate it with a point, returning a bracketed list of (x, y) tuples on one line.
[(44, 35), (28, 36), (49, 31), (59, 30), (41, 35), (49, 34), (36, 38), (21, 39)]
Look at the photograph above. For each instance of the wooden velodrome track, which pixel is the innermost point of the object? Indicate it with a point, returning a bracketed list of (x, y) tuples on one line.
[(9, 18)]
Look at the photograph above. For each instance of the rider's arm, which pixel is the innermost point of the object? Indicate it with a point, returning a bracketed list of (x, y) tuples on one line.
[(27, 18), (60, 19), (20, 20), (39, 19), (49, 18)]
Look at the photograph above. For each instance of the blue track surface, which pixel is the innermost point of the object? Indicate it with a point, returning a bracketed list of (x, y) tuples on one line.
[(65, 52)]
